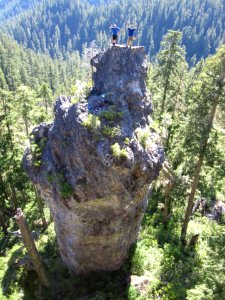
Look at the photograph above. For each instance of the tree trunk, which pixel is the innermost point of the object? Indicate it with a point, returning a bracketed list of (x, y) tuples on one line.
[(46, 105), (24, 195), (26, 127), (3, 224), (40, 207), (13, 197), (174, 111), (4, 187), (193, 240), (7, 122), (166, 85), (168, 189), (197, 174), (170, 129), (164, 97), (191, 198), (171, 179), (31, 248)]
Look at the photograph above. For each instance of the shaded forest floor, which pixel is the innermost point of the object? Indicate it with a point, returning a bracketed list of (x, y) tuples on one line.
[(170, 271)]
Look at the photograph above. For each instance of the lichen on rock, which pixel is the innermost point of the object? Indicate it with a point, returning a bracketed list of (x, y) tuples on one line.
[(94, 172)]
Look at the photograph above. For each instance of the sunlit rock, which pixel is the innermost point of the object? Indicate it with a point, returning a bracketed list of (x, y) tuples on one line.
[(94, 164)]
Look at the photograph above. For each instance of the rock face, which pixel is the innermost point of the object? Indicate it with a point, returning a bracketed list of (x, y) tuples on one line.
[(94, 164)]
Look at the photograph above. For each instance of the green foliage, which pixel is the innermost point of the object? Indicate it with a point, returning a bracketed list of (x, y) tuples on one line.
[(110, 131), (23, 67), (47, 244), (168, 75), (80, 91), (118, 152), (181, 271), (14, 7), (36, 150), (28, 82), (147, 258), (66, 189), (127, 141), (132, 293), (92, 122), (142, 136), (206, 91), (112, 114), (200, 292), (48, 28), (17, 281), (11, 277), (46, 94)]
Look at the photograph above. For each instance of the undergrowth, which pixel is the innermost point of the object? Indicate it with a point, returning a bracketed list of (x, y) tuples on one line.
[(174, 271)]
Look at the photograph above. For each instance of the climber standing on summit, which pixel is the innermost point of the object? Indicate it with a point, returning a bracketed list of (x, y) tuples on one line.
[(115, 33), (131, 36)]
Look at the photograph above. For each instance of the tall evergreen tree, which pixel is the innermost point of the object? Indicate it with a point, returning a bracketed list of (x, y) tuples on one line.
[(171, 64), (46, 94), (207, 94)]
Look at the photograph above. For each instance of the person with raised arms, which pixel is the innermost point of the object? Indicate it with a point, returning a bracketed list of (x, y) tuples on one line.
[(131, 36), (115, 33)]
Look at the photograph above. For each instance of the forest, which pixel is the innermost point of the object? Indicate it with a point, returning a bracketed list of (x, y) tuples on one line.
[(12, 8), (57, 27), (45, 51)]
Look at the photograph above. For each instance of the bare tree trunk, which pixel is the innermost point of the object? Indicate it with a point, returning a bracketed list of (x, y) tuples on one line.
[(3, 224), (31, 248), (197, 175)]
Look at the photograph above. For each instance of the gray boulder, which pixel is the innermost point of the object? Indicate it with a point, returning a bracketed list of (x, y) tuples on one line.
[(94, 164)]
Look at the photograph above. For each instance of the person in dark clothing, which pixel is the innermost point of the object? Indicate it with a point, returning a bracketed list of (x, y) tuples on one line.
[(131, 36), (115, 33)]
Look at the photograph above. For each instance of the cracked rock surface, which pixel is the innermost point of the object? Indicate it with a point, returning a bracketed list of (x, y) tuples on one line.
[(94, 164)]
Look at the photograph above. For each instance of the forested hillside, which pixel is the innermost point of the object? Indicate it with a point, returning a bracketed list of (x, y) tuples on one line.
[(20, 66), (57, 27), (10, 8)]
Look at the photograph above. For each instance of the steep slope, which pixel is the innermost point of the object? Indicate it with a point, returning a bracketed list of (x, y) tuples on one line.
[(97, 163), (58, 26)]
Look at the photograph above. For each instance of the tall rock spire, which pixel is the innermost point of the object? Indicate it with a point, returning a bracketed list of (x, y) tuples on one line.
[(96, 162)]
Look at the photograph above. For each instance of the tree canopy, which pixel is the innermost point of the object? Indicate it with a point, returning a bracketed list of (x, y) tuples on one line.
[(57, 27)]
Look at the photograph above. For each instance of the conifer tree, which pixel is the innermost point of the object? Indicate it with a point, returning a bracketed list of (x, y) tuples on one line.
[(171, 63), (45, 93), (207, 94)]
